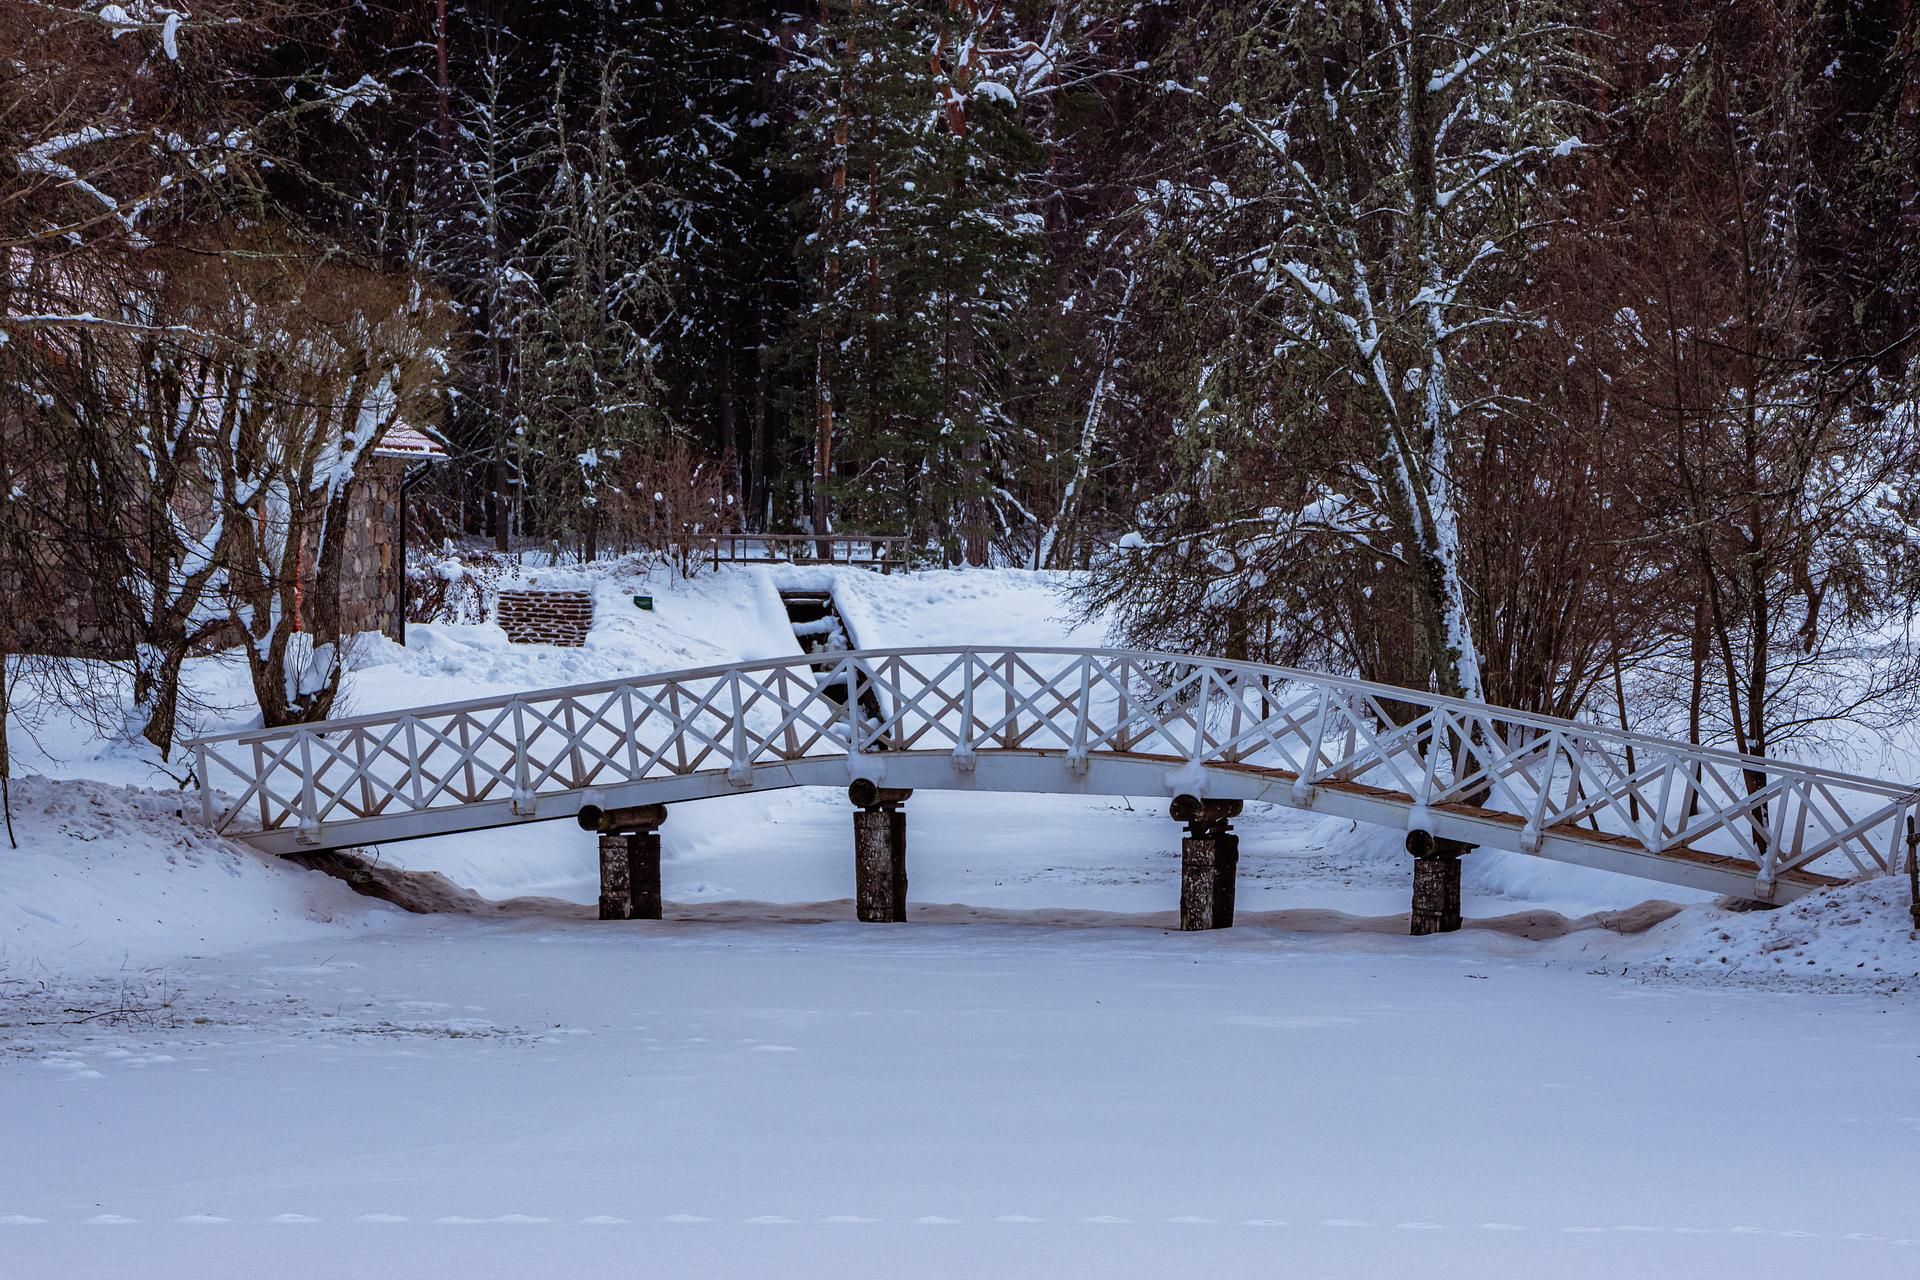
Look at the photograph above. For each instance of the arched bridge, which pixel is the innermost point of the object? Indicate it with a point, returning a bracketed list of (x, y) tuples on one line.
[(1454, 774)]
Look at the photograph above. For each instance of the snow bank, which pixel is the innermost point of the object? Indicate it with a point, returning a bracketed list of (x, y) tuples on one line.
[(108, 875), (958, 606), (1573, 890), (1859, 935), (720, 616)]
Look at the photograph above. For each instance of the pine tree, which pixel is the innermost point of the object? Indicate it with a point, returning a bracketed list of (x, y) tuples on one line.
[(925, 266), (590, 393)]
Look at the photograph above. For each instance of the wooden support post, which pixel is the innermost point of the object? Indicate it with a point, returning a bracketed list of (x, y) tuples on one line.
[(879, 853), (1913, 870), (629, 859), (1436, 882), (1209, 861)]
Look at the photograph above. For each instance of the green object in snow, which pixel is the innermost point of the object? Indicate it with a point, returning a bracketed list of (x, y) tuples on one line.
[(644, 602)]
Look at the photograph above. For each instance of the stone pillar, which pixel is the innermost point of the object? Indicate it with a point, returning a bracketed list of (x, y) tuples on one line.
[(616, 882), (1209, 861), (1226, 872), (1199, 879), (644, 865), (1436, 882), (897, 836), (874, 895), (629, 859), (879, 853)]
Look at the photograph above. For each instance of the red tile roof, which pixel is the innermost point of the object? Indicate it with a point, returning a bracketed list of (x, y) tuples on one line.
[(403, 441)]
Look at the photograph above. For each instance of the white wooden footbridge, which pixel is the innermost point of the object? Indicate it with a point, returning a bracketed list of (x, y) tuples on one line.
[(1454, 775)]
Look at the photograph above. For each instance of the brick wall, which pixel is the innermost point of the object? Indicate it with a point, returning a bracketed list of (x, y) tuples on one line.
[(545, 617)]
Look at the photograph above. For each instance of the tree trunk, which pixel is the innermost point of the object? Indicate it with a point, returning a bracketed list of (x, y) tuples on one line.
[(756, 515)]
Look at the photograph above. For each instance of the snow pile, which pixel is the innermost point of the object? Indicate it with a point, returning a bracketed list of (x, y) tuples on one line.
[(1573, 890), (728, 616), (108, 875), (1858, 935), (956, 606)]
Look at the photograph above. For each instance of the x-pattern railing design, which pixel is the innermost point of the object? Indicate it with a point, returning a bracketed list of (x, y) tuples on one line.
[(1524, 777)]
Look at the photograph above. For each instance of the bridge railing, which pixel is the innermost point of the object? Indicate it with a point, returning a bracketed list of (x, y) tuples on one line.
[(873, 551), (1305, 730)]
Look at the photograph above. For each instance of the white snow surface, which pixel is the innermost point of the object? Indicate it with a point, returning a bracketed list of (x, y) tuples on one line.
[(216, 1064), (108, 877)]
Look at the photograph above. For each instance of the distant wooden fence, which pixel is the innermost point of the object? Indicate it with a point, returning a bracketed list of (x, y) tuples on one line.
[(867, 550)]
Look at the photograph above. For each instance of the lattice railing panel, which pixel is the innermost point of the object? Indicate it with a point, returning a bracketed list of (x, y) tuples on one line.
[(1563, 777)]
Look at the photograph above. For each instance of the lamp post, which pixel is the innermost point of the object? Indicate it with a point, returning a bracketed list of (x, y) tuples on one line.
[(411, 477)]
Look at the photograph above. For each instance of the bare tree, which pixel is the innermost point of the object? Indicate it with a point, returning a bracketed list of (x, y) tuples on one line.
[(336, 355)]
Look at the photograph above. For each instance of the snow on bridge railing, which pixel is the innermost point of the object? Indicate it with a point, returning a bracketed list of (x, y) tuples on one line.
[(1430, 754)]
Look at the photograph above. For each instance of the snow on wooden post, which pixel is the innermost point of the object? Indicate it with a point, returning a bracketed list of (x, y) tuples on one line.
[(629, 859), (1209, 861), (879, 852), (1436, 882)]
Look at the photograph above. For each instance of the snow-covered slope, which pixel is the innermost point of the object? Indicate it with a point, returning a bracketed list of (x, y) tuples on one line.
[(1010, 854), (962, 606), (1859, 936), (109, 877)]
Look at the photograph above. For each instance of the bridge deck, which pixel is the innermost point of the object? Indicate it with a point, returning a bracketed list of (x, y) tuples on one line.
[(1071, 721)]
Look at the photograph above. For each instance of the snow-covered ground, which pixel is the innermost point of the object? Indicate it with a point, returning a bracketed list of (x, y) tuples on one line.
[(450, 1097), (214, 1064)]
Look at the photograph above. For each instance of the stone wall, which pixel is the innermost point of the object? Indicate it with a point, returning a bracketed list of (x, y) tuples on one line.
[(77, 622), (545, 617), (371, 576)]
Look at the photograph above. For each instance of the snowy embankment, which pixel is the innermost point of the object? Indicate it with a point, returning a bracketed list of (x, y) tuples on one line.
[(110, 877), (112, 869)]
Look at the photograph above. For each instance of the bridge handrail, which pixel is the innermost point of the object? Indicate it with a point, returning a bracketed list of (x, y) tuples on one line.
[(1516, 779), (1348, 684)]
